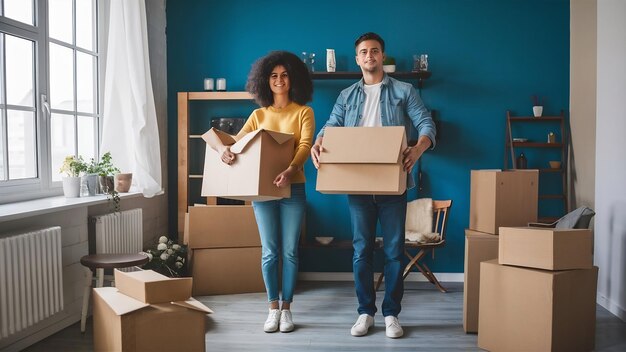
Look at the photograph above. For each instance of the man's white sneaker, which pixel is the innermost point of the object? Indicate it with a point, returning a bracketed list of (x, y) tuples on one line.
[(393, 328), (362, 325), (271, 324), (286, 323)]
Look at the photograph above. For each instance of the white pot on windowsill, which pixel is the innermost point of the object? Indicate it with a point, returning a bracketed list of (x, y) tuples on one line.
[(71, 186)]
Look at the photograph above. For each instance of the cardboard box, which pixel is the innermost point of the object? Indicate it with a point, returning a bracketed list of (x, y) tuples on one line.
[(524, 309), (546, 248), (223, 226), (479, 247), (227, 270), (261, 156), (122, 323), (503, 198), (148, 286), (362, 160)]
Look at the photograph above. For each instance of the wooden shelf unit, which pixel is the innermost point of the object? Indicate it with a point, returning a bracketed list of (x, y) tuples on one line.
[(183, 145), (510, 155)]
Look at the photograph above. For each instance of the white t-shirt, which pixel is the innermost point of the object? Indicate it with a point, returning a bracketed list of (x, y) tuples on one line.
[(371, 106)]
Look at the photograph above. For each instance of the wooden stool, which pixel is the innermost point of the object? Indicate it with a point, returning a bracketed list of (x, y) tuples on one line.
[(99, 262)]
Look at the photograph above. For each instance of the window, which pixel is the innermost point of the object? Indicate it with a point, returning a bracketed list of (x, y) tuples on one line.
[(49, 89)]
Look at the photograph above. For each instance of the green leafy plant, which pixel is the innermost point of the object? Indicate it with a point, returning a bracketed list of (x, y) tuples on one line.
[(105, 166), (168, 258), (106, 169), (389, 60), (537, 100), (72, 166)]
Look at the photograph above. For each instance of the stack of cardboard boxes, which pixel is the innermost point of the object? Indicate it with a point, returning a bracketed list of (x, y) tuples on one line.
[(147, 311), (497, 198), (540, 294), (225, 250)]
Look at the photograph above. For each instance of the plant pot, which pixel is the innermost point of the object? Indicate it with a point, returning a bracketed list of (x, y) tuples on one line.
[(71, 186), (123, 182), (89, 185), (537, 110), (106, 184)]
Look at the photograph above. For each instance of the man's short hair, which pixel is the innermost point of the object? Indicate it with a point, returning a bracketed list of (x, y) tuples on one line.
[(370, 36)]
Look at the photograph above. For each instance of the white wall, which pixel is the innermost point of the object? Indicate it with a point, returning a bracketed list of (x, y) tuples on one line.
[(583, 37), (610, 225)]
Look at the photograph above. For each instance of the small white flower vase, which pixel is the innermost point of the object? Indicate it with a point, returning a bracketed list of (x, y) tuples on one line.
[(537, 110)]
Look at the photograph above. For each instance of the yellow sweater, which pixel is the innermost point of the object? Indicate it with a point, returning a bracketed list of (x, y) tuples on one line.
[(293, 118)]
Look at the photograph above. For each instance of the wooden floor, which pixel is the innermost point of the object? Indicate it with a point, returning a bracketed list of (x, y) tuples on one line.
[(324, 312)]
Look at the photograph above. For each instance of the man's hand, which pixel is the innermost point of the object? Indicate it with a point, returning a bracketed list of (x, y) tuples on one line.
[(284, 178), (411, 155), (315, 152), (226, 155)]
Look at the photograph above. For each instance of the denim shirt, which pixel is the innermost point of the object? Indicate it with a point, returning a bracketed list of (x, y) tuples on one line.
[(399, 106)]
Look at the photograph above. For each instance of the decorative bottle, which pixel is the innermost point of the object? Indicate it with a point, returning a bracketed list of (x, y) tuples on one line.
[(330, 60), (522, 163)]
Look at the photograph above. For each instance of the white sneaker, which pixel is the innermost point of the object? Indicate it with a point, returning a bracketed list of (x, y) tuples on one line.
[(362, 325), (271, 324), (286, 323), (393, 328)]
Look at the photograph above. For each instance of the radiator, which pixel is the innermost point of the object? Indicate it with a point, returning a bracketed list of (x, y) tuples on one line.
[(31, 279), (120, 232)]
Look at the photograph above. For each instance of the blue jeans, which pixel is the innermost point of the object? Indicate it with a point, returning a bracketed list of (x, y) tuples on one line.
[(365, 211), (279, 224)]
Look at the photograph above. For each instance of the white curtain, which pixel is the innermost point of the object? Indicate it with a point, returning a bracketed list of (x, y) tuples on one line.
[(130, 130)]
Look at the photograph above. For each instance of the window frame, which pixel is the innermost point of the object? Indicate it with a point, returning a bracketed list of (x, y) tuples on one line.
[(42, 186)]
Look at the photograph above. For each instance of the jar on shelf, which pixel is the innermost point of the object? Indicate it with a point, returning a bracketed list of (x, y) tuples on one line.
[(521, 162)]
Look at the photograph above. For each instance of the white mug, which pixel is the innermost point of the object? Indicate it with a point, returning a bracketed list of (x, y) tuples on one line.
[(221, 84), (208, 84)]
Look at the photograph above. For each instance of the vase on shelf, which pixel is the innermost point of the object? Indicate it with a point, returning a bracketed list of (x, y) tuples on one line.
[(537, 110), (331, 64)]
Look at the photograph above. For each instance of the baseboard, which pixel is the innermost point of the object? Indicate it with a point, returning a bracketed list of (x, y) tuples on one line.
[(611, 306), (347, 276)]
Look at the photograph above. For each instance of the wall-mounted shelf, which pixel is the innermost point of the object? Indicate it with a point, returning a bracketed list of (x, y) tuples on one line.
[(419, 76)]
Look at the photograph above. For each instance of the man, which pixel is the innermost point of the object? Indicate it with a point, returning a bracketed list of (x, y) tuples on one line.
[(379, 100)]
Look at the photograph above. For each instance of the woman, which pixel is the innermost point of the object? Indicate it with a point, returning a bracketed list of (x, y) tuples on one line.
[(281, 85)]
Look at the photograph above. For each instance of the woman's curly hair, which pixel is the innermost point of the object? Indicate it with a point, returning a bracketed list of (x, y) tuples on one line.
[(301, 86)]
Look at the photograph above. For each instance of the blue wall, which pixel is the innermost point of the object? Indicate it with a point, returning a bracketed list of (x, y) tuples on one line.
[(486, 57)]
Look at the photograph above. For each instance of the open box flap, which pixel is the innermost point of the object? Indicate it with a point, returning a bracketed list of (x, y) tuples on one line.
[(241, 145), (119, 302), (194, 304)]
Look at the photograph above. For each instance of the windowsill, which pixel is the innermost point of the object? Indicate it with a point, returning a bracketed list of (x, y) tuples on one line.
[(20, 210)]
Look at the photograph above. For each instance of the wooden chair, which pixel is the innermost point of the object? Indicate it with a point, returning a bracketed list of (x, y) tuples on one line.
[(441, 209)]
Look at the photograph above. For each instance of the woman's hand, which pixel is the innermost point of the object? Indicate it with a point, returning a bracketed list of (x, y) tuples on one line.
[(284, 178), (226, 155)]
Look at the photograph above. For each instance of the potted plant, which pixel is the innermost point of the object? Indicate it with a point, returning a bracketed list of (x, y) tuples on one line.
[(389, 65), (106, 172), (537, 106), (90, 178), (72, 167)]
